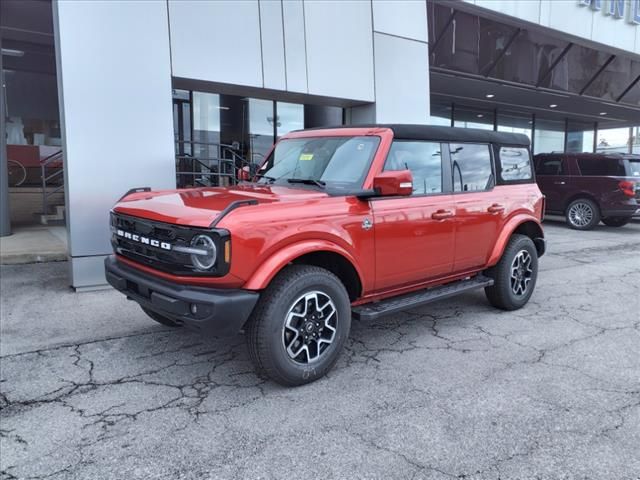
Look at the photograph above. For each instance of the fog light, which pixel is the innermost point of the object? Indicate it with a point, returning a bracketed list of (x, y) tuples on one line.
[(206, 258)]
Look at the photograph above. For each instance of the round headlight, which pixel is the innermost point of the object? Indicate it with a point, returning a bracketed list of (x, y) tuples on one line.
[(205, 259)]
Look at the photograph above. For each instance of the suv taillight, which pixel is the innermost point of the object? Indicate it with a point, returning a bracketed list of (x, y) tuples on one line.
[(628, 188)]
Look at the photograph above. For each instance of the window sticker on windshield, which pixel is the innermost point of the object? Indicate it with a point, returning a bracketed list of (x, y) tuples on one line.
[(306, 156)]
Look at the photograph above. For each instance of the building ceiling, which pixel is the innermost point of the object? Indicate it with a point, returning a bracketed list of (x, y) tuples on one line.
[(456, 87)]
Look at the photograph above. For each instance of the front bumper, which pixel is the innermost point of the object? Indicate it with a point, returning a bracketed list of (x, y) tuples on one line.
[(217, 312)]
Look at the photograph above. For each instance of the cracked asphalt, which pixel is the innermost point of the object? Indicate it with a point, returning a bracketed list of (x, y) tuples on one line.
[(92, 388)]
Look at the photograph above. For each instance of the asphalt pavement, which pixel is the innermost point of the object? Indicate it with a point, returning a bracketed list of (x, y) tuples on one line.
[(92, 388)]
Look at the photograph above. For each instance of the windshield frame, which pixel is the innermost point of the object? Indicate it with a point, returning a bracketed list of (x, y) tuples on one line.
[(261, 176)]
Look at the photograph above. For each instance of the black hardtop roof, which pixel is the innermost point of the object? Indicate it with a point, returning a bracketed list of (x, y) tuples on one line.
[(601, 155), (445, 134)]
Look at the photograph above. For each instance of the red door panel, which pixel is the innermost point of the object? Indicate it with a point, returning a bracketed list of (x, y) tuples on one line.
[(479, 220), (414, 239)]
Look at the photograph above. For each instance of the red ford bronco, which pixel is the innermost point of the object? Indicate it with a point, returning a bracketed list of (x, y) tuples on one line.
[(352, 221)]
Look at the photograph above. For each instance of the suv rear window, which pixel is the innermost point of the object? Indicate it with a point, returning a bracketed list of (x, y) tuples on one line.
[(592, 167), (515, 164)]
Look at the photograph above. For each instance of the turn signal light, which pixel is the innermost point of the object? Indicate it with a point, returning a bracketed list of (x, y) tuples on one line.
[(628, 188), (227, 251)]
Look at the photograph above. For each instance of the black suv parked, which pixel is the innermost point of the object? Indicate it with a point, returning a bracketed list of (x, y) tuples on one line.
[(587, 188)]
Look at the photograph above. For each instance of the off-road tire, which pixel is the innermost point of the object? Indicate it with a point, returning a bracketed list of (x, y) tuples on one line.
[(265, 328), (167, 322), (587, 205), (501, 294), (616, 221)]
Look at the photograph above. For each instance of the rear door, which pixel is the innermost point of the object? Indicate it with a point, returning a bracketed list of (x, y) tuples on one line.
[(415, 235), (479, 209), (554, 181)]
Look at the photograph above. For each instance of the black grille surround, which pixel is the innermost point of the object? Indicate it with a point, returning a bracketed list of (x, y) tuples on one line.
[(163, 259)]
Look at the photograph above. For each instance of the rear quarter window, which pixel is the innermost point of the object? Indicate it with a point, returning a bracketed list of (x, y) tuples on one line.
[(601, 167), (514, 164), (634, 167)]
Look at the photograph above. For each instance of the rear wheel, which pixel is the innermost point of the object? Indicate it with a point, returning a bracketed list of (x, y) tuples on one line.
[(616, 221), (515, 274), (160, 318), (583, 214), (300, 325)]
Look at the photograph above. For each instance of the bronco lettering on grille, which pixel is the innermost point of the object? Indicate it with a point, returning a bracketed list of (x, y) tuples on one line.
[(144, 240)]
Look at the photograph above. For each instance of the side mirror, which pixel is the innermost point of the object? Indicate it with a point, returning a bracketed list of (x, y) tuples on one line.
[(393, 182)]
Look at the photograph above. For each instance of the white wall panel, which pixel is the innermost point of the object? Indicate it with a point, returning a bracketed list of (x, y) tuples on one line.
[(405, 18), (116, 111), (528, 10), (272, 34), (569, 17), (617, 32), (402, 80), (216, 41), (339, 49), (295, 46)]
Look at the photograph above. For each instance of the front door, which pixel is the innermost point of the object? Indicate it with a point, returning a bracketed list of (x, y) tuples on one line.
[(554, 182), (414, 235)]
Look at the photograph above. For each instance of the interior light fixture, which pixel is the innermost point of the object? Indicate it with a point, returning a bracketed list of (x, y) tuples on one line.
[(603, 113), (489, 95), (480, 115), (553, 105)]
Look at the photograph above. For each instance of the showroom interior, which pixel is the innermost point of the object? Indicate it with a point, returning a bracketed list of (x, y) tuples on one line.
[(485, 70)]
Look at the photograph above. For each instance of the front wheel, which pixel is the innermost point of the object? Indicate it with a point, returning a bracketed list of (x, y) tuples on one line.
[(515, 274), (299, 327), (616, 221)]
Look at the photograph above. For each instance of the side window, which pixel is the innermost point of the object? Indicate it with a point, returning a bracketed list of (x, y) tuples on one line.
[(424, 159), (601, 167), (471, 167), (549, 166), (515, 164)]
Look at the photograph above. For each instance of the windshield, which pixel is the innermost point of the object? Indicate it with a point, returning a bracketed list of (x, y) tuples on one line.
[(339, 163)]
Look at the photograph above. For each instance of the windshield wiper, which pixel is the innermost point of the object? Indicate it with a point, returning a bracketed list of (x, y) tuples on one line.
[(266, 177), (307, 181)]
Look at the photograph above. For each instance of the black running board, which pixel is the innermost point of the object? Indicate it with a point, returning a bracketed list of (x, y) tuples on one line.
[(371, 311)]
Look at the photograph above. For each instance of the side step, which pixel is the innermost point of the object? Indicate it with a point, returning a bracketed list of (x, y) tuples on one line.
[(371, 311)]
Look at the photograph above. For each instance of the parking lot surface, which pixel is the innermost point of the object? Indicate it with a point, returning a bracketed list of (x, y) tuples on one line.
[(92, 388)]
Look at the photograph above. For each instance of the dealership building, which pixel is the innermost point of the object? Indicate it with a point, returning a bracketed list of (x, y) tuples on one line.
[(103, 96)]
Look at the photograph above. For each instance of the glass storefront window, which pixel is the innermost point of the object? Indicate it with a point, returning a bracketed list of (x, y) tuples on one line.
[(440, 114), (515, 122), (614, 140), (290, 117), (260, 128), (580, 137), (548, 136), (206, 124), (217, 133), (472, 117)]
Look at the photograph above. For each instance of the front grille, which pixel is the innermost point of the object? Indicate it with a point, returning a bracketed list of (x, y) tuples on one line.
[(166, 260)]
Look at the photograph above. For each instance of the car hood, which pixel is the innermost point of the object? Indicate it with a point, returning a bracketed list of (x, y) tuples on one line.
[(199, 207)]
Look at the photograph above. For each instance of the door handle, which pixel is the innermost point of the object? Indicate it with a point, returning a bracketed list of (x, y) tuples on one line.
[(496, 208), (442, 214), (559, 183)]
